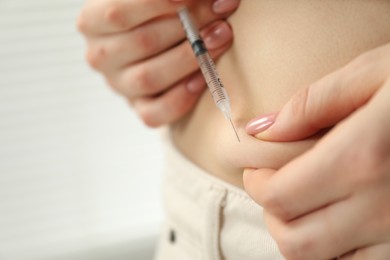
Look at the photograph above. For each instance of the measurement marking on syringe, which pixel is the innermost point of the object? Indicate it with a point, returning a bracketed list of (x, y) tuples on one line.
[(208, 68)]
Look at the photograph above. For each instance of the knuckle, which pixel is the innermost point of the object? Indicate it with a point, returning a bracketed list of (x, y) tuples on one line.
[(96, 57), (114, 15), (145, 41), (149, 118), (81, 22), (142, 80)]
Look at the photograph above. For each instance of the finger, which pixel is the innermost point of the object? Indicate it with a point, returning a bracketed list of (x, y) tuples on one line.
[(327, 101), (114, 52), (331, 230), (102, 17), (255, 181), (157, 74), (225, 6), (171, 105), (343, 162), (377, 252), (324, 234), (310, 182)]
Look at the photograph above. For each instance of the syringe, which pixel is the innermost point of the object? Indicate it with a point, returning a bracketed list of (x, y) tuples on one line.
[(207, 66)]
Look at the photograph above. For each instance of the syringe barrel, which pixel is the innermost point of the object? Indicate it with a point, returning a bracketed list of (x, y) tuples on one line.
[(206, 64), (213, 81)]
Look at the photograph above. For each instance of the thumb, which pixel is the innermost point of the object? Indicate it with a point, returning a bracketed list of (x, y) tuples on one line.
[(321, 105), (256, 181)]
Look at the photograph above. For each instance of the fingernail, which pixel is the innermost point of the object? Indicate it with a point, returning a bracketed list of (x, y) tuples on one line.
[(260, 124), (225, 6), (218, 35), (196, 83)]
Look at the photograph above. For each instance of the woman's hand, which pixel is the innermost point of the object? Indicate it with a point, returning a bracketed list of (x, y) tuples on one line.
[(335, 198), (139, 47)]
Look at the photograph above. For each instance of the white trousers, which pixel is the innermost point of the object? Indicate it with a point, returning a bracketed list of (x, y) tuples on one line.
[(209, 219)]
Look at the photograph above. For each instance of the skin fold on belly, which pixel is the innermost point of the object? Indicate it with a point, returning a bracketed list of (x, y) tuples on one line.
[(279, 47)]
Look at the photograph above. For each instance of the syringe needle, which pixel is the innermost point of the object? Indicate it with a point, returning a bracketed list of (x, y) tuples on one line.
[(235, 131)]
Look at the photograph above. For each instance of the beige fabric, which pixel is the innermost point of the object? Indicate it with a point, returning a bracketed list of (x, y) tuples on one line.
[(208, 219)]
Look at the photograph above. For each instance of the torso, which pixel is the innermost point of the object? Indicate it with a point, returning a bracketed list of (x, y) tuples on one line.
[(279, 47)]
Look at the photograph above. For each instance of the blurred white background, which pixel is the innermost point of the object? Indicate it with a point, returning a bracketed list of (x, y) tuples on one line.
[(79, 173)]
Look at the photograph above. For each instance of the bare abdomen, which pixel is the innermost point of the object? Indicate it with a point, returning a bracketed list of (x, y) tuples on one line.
[(280, 46)]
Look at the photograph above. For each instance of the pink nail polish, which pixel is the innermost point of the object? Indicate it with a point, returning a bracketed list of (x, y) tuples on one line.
[(225, 6), (218, 36), (260, 124)]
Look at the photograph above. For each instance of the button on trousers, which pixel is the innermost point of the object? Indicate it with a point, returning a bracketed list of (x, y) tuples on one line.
[(209, 219)]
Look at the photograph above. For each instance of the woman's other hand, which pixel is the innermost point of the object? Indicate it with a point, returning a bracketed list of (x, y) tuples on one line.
[(139, 47), (335, 198)]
